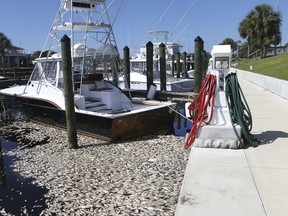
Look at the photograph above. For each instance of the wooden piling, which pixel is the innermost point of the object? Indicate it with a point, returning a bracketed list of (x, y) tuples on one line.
[(185, 75), (172, 65), (115, 70), (162, 54), (189, 64), (2, 170), (149, 62), (198, 65), (68, 92), (126, 52), (178, 65)]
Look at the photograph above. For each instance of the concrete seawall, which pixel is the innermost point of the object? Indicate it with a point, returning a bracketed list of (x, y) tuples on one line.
[(276, 86)]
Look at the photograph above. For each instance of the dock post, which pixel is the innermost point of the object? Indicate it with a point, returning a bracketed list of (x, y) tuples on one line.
[(68, 92), (126, 52), (178, 65), (149, 61), (162, 66), (115, 70), (189, 64), (198, 66), (172, 65), (185, 75), (2, 170)]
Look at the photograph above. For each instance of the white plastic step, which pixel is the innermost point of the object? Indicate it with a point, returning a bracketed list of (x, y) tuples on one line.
[(92, 103), (96, 108)]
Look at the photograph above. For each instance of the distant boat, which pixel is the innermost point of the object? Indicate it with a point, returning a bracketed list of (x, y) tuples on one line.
[(102, 109), (138, 81), (138, 68)]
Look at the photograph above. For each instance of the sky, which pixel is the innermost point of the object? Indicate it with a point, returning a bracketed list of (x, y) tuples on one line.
[(27, 22)]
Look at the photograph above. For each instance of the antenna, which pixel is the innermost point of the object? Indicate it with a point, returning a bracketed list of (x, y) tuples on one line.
[(278, 5)]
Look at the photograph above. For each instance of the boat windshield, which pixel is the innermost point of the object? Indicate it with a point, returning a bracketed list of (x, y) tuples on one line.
[(45, 70), (51, 71), (138, 66)]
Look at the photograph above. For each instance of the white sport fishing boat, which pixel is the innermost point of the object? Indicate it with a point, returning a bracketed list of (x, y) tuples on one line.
[(138, 78), (102, 109)]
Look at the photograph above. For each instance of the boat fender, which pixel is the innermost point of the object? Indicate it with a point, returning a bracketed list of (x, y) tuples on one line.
[(152, 91)]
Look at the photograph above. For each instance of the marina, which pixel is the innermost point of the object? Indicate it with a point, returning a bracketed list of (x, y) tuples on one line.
[(87, 132), (151, 154)]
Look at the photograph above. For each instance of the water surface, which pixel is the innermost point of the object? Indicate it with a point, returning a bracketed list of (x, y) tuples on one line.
[(18, 195)]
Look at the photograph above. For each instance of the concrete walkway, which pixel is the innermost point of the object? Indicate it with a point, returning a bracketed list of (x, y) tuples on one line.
[(244, 182)]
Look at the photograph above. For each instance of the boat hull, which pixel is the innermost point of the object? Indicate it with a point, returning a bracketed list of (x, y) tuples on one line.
[(138, 81), (109, 128)]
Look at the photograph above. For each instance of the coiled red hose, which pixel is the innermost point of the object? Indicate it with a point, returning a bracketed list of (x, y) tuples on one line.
[(199, 105)]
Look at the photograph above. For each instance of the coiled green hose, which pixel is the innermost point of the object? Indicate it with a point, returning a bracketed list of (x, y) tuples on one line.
[(239, 110)]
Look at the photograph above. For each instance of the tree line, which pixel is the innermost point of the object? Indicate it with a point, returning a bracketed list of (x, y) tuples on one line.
[(5, 43), (261, 29)]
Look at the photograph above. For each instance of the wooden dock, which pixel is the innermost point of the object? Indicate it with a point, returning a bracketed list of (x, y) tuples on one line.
[(162, 95)]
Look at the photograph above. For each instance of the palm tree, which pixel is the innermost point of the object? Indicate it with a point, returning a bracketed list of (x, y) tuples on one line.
[(246, 31), (230, 41), (4, 43), (261, 27)]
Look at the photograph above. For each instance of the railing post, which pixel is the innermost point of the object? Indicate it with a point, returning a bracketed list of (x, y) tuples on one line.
[(68, 92)]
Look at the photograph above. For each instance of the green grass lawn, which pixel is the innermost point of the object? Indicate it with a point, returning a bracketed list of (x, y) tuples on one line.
[(275, 66)]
